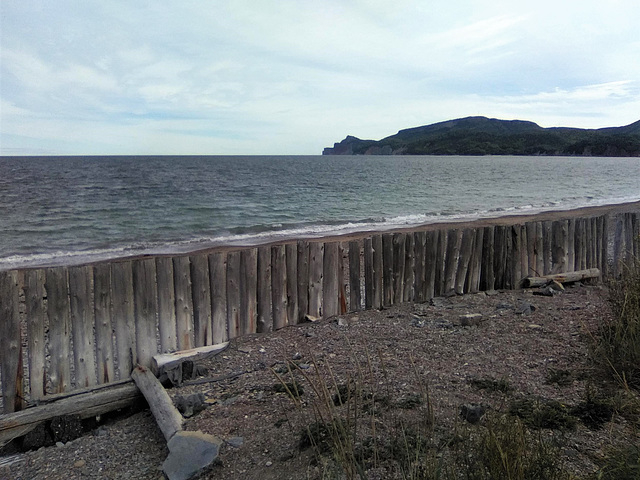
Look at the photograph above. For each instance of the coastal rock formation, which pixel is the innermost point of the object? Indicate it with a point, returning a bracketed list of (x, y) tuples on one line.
[(490, 136)]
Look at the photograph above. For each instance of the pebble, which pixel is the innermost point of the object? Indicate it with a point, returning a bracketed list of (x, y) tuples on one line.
[(79, 463), (269, 463)]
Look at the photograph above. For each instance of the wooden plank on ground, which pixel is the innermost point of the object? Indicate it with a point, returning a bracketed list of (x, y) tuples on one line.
[(123, 317), (183, 302), (34, 294), (248, 291), (59, 329), (355, 292), (145, 299), (201, 292), (104, 329), (265, 317), (10, 342), (166, 305)]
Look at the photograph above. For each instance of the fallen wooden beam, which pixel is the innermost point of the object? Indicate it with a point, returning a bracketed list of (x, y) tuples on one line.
[(87, 403), (566, 277), (167, 361), (189, 452)]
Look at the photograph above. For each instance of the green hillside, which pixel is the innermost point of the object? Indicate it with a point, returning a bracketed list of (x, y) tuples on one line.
[(490, 136)]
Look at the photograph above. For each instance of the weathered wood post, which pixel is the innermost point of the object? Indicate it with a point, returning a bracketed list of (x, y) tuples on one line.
[(279, 286), (249, 290), (167, 324), (316, 268), (233, 294), (291, 254), (419, 245), (303, 278), (218, 282), (265, 319), (387, 265), (59, 329), (123, 311), (487, 270), (10, 342), (201, 291), (454, 240), (399, 253), (145, 298), (82, 324), (183, 299), (34, 294), (330, 279), (466, 251), (378, 271), (355, 294)]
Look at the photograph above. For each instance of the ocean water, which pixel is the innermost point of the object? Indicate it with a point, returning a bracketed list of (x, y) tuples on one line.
[(66, 210)]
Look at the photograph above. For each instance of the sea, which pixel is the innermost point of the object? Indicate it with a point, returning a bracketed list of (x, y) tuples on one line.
[(70, 210)]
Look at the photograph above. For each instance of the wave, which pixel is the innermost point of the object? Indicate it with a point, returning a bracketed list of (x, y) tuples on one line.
[(266, 233)]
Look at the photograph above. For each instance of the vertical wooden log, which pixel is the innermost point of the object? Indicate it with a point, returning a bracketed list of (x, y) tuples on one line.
[(303, 278), (249, 290), (560, 246), (59, 329), (183, 299), (629, 238), (604, 266), (387, 269), (166, 305), (583, 244), (279, 286), (487, 276), (588, 240), (104, 328), (597, 238), (546, 246), (454, 241), (145, 298), (10, 342), (409, 269), (432, 261), (500, 258), (330, 277), (355, 293), (594, 242), (618, 246), (399, 247), (466, 249), (265, 319), (201, 292), (291, 253), (510, 257), (539, 247), (571, 245), (316, 262), (524, 254), (368, 272), (441, 257), (34, 294), (82, 325), (233, 294), (419, 245), (342, 293), (476, 261), (123, 315), (378, 271), (635, 224), (218, 281), (532, 252)]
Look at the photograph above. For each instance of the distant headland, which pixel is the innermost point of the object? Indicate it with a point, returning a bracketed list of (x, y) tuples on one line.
[(490, 136)]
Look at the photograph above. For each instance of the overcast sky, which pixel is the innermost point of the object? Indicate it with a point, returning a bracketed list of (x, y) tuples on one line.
[(291, 77)]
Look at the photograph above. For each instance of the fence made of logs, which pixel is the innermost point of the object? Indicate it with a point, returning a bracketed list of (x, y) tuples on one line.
[(67, 328)]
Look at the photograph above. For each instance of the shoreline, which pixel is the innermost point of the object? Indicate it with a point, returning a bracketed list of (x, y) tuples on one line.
[(509, 219)]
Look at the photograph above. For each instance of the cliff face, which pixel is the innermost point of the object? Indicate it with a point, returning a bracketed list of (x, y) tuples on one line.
[(489, 136)]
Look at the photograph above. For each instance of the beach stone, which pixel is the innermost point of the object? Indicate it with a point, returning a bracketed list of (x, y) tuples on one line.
[(525, 308), (472, 412), (190, 452), (417, 321), (469, 319), (189, 405)]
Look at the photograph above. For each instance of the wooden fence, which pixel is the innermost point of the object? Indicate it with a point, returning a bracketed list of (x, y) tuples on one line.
[(65, 328)]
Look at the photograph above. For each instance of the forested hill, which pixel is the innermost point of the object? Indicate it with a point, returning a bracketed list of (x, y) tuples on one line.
[(490, 136)]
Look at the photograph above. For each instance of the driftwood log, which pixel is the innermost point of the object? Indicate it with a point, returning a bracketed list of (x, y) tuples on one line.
[(86, 403), (567, 277), (170, 365)]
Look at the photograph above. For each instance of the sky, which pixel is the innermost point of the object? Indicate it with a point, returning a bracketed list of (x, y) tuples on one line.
[(236, 77)]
